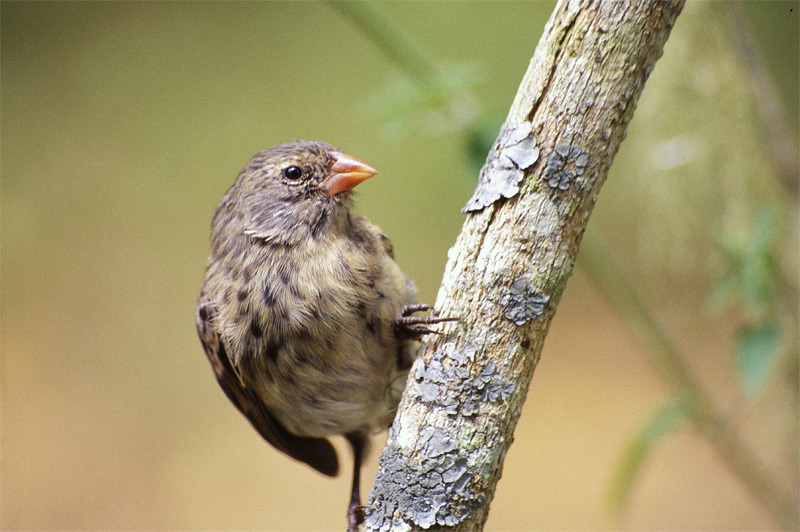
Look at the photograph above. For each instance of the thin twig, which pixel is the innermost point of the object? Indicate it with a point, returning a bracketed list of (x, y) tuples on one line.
[(388, 38)]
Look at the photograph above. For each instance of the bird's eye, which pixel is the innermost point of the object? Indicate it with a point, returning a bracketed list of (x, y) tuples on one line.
[(293, 172)]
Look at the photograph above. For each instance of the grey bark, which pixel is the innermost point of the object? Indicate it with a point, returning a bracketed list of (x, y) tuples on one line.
[(507, 271)]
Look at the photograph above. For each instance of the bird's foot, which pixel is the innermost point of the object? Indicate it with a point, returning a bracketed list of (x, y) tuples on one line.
[(355, 516), (415, 326), (408, 310)]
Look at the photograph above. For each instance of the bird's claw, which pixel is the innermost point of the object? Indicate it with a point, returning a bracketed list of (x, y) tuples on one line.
[(355, 516), (414, 326), (408, 310)]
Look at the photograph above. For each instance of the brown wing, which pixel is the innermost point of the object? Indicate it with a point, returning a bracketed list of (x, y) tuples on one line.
[(316, 452), (368, 226)]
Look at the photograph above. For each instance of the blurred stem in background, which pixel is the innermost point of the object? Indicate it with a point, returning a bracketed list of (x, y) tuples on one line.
[(426, 97), (691, 401), (389, 39), (440, 100)]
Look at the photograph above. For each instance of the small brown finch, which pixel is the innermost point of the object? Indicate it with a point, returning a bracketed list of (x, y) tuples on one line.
[(303, 314)]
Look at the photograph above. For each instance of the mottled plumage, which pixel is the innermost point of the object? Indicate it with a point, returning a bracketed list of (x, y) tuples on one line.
[(299, 308)]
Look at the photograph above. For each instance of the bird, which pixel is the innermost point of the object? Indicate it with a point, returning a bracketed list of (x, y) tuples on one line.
[(307, 321)]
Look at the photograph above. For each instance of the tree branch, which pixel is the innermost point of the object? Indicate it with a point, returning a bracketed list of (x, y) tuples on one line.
[(511, 262)]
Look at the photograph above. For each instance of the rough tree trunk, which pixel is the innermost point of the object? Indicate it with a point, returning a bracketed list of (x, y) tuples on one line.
[(511, 262)]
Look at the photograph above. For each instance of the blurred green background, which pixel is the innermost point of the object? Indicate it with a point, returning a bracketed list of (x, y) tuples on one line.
[(124, 123)]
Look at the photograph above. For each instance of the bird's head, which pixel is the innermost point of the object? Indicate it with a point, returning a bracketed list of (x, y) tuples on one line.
[(292, 191)]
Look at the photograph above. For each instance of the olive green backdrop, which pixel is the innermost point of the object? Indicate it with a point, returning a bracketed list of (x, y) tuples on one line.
[(122, 126)]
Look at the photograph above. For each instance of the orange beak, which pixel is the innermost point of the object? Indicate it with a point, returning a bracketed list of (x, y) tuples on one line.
[(346, 172)]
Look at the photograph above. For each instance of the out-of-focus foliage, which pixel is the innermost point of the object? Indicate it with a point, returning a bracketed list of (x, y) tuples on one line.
[(443, 105), (751, 275), (698, 214), (752, 280)]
